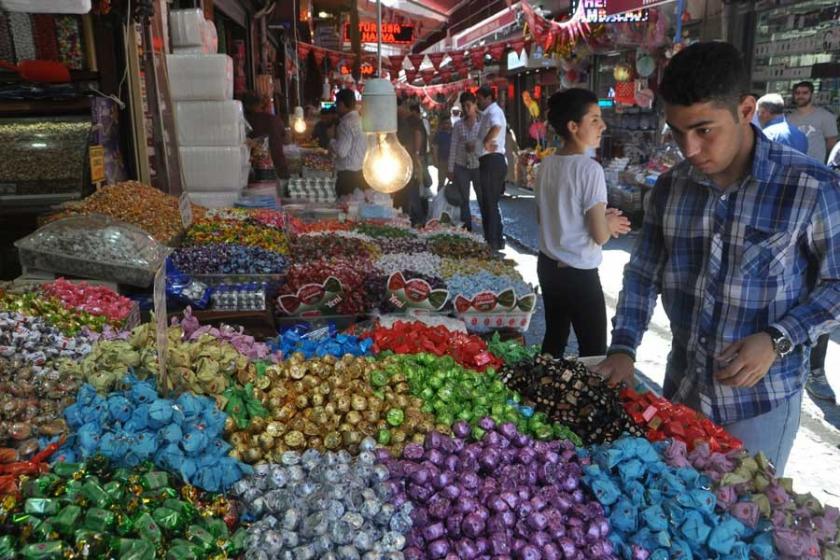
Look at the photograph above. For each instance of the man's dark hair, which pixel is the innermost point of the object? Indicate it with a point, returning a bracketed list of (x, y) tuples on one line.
[(705, 72), (328, 110), (485, 91), (567, 106), (347, 97), (807, 84), (251, 100), (466, 96)]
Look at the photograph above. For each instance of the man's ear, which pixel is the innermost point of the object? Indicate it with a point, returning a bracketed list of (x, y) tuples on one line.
[(746, 109)]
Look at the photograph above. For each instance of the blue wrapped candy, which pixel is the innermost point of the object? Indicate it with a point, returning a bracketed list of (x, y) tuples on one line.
[(658, 511), (469, 285), (136, 425), (321, 343)]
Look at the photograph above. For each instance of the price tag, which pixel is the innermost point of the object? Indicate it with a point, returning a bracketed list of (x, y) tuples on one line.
[(186, 210), (161, 339), (96, 155)]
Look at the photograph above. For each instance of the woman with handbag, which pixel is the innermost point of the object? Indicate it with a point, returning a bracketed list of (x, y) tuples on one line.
[(463, 158)]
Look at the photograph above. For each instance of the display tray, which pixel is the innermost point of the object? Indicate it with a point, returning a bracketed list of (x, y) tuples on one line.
[(259, 324), (31, 259), (485, 322)]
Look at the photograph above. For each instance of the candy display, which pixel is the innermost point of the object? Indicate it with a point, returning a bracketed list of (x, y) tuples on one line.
[(748, 489), (271, 218), (329, 404), (449, 267), (470, 285), (306, 286), (451, 245), (94, 510), (663, 419), (228, 258), (424, 263), (409, 289), (385, 231), (318, 345), (511, 351), (217, 231), (415, 337), (504, 495), (130, 427), (32, 405), (345, 510), (68, 320), (250, 296), (406, 245), (132, 202), (656, 511), (320, 189), (310, 247), (94, 247), (569, 393), (243, 343), (453, 393), (96, 300), (33, 340)]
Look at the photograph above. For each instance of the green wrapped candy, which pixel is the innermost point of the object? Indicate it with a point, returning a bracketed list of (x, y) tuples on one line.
[(66, 470), (43, 551), (186, 509), (121, 475), (41, 506), (67, 519), (97, 495), (135, 549), (180, 549), (154, 480), (217, 527), (7, 548), (237, 542), (167, 519), (72, 490), (43, 530), (92, 543), (39, 487), (147, 528), (125, 525), (378, 379), (395, 417), (383, 437), (201, 537), (101, 520), (115, 490)]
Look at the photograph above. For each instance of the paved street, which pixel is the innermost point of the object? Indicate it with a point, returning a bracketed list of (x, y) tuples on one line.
[(815, 460)]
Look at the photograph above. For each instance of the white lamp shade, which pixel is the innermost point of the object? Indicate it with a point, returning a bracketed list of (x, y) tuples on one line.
[(379, 106)]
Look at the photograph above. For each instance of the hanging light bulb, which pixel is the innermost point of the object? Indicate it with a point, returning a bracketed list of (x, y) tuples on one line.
[(298, 122), (387, 166)]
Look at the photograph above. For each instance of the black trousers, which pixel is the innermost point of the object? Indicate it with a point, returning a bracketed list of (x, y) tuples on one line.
[(463, 177), (818, 352), (572, 297), (492, 173), (409, 201), (348, 181)]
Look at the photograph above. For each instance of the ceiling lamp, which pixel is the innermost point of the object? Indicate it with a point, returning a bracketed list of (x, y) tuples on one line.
[(387, 167), (298, 121)]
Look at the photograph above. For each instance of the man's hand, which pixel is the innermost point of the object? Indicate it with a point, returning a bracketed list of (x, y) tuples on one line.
[(617, 369), (490, 146), (617, 223), (451, 176), (747, 361)]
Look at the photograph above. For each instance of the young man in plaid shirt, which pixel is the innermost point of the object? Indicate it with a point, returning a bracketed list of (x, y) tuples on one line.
[(742, 240)]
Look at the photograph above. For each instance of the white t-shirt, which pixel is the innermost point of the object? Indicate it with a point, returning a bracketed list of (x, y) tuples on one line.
[(490, 117), (568, 187), (817, 125)]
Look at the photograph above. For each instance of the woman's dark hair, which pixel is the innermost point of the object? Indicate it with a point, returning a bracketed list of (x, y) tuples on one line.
[(705, 72), (466, 96), (567, 106)]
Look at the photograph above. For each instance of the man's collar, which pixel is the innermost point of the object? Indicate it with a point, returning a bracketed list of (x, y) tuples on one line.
[(776, 120)]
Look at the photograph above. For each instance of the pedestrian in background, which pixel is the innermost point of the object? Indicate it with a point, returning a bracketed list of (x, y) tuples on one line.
[(349, 145), (492, 165), (463, 164)]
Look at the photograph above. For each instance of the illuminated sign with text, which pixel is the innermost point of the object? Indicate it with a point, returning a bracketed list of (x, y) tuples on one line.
[(392, 33), (596, 11)]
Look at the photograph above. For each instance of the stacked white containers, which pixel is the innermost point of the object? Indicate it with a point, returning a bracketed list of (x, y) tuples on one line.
[(210, 124)]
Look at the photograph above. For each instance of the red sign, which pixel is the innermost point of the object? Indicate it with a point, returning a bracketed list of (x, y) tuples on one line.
[(620, 6), (392, 33), (366, 68), (491, 25)]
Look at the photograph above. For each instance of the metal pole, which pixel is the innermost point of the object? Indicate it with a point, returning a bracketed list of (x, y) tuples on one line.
[(379, 38)]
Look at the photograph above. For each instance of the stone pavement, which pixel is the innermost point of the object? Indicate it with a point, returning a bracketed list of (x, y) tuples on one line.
[(815, 459)]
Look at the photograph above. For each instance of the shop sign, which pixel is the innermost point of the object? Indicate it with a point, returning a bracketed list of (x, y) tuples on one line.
[(366, 68), (392, 33), (606, 11), (488, 27)]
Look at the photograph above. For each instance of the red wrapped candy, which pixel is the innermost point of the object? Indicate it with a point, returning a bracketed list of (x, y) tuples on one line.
[(96, 300)]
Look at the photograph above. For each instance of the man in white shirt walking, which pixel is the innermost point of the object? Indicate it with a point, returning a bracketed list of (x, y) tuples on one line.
[(492, 165), (819, 125), (348, 146)]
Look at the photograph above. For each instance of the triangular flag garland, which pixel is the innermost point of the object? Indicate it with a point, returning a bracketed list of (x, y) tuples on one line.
[(416, 60), (436, 59)]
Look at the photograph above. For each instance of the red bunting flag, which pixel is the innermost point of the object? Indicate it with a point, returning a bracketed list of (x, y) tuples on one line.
[(428, 75), (445, 76), (518, 45), (410, 76), (416, 60), (319, 56), (396, 63), (497, 51), (303, 51), (335, 58), (436, 59), (477, 58), (457, 59)]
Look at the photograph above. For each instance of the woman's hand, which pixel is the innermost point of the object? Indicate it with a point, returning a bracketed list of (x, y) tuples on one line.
[(617, 222)]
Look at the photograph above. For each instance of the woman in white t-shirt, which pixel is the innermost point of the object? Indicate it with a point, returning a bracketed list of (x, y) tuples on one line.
[(571, 195)]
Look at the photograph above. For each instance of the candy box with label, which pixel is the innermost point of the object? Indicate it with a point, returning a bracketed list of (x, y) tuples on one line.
[(414, 293), (313, 299), (489, 311)]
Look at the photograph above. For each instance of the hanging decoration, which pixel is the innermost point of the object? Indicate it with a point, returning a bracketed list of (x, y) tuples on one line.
[(436, 59), (548, 33), (416, 60), (428, 75), (477, 58), (334, 58), (410, 76)]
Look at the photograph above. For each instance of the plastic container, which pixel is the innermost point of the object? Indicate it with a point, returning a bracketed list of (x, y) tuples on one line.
[(210, 123), (187, 27), (46, 6), (200, 77), (96, 247), (214, 199), (479, 322), (213, 169)]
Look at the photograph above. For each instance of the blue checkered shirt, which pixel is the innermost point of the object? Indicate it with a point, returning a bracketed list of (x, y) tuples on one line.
[(730, 263)]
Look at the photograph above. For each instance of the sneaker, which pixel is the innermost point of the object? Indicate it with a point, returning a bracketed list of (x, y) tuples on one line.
[(818, 387)]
